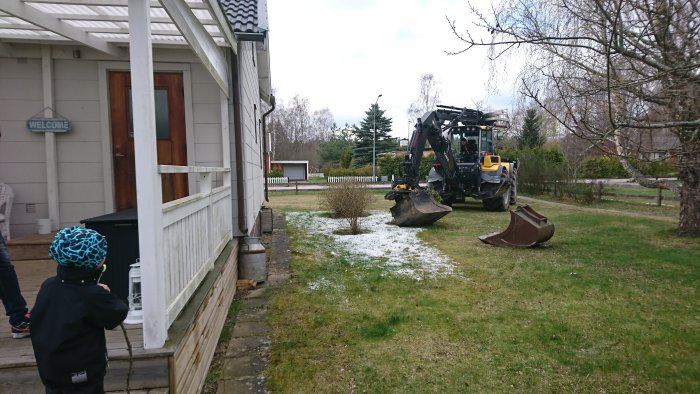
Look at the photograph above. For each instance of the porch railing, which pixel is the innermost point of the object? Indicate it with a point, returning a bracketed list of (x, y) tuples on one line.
[(195, 230)]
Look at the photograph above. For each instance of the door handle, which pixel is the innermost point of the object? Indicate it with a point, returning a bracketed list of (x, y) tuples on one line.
[(119, 155)]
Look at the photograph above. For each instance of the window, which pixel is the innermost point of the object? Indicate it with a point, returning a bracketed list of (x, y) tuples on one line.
[(162, 114)]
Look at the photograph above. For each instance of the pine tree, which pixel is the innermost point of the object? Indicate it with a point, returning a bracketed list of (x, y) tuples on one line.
[(362, 152), (530, 135)]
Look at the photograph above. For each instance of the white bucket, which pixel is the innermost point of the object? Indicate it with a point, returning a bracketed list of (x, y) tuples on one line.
[(43, 226)]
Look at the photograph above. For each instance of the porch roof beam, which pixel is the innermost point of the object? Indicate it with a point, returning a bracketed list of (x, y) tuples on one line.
[(201, 42), (119, 18), (48, 22)]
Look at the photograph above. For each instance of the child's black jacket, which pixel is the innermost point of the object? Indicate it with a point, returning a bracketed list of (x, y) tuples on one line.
[(67, 325)]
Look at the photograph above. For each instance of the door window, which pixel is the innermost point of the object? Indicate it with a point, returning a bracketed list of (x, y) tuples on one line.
[(160, 96)]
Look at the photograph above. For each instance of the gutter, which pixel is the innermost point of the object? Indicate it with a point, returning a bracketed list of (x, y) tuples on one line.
[(238, 141), (266, 154)]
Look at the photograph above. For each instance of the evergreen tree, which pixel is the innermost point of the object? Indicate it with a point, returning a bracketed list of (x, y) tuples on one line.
[(362, 152), (531, 135)]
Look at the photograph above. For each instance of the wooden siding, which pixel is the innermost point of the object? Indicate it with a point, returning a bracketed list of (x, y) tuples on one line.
[(22, 158), (198, 328), (80, 160)]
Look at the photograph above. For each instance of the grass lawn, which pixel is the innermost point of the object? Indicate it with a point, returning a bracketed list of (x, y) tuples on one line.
[(611, 305)]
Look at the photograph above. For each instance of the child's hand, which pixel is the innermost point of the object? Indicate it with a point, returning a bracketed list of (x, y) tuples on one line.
[(104, 286)]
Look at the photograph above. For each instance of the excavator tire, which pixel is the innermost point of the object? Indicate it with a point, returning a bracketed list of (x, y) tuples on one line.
[(527, 228), (499, 203), (417, 209)]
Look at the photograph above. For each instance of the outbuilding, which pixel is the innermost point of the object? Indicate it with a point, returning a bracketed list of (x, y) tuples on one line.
[(295, 170)]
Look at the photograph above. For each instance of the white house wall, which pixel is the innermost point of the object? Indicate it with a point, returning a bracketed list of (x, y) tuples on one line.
[(251, 128), (80, 159)]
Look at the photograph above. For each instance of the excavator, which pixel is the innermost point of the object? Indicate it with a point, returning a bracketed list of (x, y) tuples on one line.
[(465, 166)]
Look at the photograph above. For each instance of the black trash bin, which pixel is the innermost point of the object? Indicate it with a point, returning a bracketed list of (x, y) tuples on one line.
[(122, 232)]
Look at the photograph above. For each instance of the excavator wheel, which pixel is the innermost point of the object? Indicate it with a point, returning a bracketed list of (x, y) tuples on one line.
[(499, 203)]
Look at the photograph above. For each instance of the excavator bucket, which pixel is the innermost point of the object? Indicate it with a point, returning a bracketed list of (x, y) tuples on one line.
[(417, 209), (527, 228)]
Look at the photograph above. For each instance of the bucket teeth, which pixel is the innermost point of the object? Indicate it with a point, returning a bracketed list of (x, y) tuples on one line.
[(527, 228), (417, 208)]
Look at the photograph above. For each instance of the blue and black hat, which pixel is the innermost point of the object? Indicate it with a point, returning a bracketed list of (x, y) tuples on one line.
[(78, 247)]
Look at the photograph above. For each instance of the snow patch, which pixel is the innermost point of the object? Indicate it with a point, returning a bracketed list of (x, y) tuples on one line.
[(397, 249)]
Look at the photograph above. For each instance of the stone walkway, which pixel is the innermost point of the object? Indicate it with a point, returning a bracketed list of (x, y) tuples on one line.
[(247, 355)]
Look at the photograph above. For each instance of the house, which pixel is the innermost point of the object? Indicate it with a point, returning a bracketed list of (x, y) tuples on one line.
[(109, 105)]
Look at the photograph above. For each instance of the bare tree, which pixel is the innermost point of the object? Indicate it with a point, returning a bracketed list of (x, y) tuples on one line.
[(296, 133), (607, 70), (323, 124), (428, 97)]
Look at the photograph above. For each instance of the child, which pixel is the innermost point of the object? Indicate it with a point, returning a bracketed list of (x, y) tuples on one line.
[(71, 312)]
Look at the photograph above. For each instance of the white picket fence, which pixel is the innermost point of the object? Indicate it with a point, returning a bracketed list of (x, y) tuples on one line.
[(277, 179), (358, 179)]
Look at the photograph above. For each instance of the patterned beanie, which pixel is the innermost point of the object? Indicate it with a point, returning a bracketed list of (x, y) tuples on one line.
[(78, 247)]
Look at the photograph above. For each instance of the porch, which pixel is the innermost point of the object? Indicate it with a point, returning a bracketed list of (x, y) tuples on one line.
[(191, 341)]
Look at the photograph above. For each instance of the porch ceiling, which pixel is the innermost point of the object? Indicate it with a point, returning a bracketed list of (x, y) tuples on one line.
[(101, 24)]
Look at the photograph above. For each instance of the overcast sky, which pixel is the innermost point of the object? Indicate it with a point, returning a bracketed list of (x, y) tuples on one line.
[(341, 54)]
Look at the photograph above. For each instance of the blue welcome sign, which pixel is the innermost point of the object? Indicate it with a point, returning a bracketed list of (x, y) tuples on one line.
[(48, 125)]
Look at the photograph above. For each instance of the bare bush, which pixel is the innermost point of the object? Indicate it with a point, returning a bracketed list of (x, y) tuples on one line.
[(347, 200)]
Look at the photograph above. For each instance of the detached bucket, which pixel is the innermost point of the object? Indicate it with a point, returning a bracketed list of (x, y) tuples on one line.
[(527, 228), (417, 209), (252, 263)]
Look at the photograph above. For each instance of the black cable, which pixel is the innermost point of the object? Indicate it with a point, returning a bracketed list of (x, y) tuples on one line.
[(131, 359)]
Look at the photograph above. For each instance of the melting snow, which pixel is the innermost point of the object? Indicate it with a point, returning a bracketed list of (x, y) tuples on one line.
[(397, 249)]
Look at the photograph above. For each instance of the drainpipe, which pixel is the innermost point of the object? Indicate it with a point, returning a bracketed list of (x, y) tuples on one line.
[(238, 140), (266, 154)]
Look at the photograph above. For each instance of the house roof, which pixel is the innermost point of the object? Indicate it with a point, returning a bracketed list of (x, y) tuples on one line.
[(248, 18), (103, 21)]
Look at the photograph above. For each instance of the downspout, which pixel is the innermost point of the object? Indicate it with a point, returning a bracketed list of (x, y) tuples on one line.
[(266, 154), (238, 141)]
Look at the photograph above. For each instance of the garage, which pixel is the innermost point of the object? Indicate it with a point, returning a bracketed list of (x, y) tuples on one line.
[(294, 170)]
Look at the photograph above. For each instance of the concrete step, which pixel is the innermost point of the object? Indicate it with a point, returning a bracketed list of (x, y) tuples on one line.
[(30, 247)]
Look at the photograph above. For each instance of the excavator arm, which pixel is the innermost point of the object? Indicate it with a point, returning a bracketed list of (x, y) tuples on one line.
[(414, 204), (428, 128)]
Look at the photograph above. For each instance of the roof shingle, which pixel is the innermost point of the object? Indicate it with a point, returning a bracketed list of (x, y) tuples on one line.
[(243, 16)]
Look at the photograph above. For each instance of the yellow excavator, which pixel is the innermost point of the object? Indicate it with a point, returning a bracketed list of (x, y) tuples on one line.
[(465, 165)]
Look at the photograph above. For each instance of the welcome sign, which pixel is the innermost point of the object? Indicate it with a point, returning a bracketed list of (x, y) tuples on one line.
[(48, 125)]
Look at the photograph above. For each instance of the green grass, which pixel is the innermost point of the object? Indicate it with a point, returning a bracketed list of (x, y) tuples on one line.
[(317, 179), (611, 305), (640, 191)]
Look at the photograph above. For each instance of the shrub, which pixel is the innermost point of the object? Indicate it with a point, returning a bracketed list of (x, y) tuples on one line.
[(391, 165), (539, 169), (275, 173), (359, 171), (347, 200), (601, 167), (426, 163)]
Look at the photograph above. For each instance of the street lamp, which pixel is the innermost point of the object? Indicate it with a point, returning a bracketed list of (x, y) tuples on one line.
[(374, 140)]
